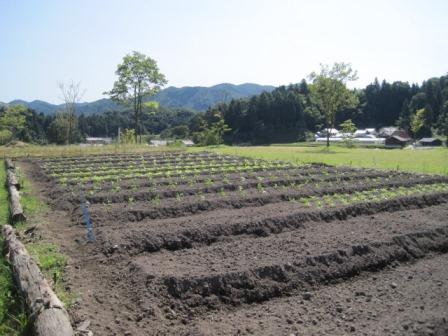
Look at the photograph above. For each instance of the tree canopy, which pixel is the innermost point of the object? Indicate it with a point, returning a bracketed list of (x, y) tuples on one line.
[(138, 77), (330, 91)]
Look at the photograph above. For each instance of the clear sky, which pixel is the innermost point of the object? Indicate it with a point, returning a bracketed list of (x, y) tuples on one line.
[(206, 42)]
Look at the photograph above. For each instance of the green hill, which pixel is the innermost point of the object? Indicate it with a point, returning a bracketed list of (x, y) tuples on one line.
[(196, 98)]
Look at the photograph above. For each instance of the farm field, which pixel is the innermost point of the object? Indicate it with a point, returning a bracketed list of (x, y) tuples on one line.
[(197, 243)]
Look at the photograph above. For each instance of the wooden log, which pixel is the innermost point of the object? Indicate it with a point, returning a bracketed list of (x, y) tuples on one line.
[(16, 209), (9, 164), (47, 312), (12, 180)]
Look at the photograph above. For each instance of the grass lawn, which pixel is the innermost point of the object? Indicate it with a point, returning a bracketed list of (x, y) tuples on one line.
[(433, 161)]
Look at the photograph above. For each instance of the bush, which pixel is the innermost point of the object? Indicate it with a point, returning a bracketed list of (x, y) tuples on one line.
[(5, 136)]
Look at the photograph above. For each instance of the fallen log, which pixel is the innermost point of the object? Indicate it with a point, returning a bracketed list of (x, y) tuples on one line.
[(11, 179), (16, 209), (47, 312), (9, 164)]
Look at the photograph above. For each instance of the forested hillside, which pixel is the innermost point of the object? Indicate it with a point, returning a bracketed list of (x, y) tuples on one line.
[(195, 98), (289, 112), (286, 114)]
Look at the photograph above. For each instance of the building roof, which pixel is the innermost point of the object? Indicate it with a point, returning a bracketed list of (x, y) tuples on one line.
[(399, 138), (98, 139), (428, 140)]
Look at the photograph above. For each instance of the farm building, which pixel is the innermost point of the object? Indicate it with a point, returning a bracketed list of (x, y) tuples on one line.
[(187, 143), (157, 143), (365, 133), (430, 142), (397, 141), (98, 141), (385, 132)]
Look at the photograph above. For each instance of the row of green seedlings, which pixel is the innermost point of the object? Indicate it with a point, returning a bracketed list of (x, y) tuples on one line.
[(264, 188), (372, 195), (169, 167), (123, 156), (91, 162), (80, 169), (231, 168), (224, 178), (191, 178)]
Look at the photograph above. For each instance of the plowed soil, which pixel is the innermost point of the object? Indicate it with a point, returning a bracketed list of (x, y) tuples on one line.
[(228, 253)]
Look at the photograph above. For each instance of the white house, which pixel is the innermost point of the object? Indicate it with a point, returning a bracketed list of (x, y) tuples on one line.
[(98, 141)]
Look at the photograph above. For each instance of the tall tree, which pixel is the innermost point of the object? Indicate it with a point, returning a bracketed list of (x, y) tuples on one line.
[(331, 93), (405, 116), (443, 122), (421, 122), (71, 95), (138, 76)]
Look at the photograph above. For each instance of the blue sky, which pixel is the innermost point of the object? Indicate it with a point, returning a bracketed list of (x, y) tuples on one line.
[(206, 42)]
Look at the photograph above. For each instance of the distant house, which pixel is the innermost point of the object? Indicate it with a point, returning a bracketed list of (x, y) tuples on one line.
[(365, 133), (397, 141), (386, 132), (157, 143), (187, 143), (402, 133), (429, 142), (98, 141), (322, 134), (364, 136)]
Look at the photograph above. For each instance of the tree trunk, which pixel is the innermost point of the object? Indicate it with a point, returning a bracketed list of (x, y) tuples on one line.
[(48, 314), (135, 114), (11, 179), (14, 197), (136, 126), (9, 164), (16, 209)]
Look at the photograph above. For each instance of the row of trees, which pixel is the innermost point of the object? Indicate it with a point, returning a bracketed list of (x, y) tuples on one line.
[(286, 114), (20, 123), (290, 113)]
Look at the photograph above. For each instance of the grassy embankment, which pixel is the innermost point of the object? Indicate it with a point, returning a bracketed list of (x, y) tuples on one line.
[(73, 150), (13, 320), (430, 161)]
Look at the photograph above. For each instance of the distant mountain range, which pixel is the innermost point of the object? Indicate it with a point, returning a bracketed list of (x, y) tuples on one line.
[(195, 98)]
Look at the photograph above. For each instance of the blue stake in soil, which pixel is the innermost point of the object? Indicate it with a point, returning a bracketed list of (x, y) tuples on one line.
[(87, 221)]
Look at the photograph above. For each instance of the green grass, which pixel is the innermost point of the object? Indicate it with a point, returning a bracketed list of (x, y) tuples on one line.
[(32, 206), (52, 264), (13, 320), (431, 161)]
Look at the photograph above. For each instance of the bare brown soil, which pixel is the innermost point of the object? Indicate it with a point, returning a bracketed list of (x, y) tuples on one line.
[(253, 263)]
